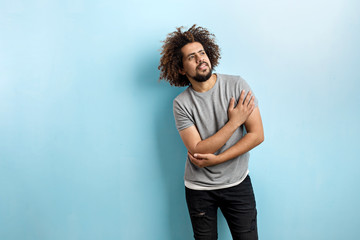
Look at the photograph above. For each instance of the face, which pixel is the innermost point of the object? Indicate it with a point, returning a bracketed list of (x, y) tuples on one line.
[(196, 64)]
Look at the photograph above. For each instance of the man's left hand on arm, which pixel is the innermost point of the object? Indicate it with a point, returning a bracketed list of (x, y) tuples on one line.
[(204, 160)]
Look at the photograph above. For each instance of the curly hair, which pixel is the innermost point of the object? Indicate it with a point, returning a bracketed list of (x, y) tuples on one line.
[(171, 59)]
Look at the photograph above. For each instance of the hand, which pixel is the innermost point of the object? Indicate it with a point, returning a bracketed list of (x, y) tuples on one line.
[(239, 114), (203, 160)]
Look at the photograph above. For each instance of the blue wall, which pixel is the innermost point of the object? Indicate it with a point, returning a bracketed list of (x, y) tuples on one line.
[(88, 146)]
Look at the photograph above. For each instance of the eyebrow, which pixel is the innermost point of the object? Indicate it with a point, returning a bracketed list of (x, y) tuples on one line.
[(202, 50)]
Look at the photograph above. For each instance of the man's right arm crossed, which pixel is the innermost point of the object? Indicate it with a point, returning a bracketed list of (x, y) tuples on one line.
[(237, 116)]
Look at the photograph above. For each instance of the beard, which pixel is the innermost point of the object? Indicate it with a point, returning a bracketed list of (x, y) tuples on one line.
[(202, 78)]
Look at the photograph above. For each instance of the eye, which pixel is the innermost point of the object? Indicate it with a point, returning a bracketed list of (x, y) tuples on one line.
[(191, 57)]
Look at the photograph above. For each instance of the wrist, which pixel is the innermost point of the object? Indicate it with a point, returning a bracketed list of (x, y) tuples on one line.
[(233, 124), (219, 158)]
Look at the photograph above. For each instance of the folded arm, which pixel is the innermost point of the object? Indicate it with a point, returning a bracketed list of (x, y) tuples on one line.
[(253, 137), (237, 116)]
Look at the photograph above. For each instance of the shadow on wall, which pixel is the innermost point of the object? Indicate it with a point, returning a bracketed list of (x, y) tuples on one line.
[(170, 149)]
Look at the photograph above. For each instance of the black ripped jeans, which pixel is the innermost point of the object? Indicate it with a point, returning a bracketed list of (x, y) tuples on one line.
[(237, 205)]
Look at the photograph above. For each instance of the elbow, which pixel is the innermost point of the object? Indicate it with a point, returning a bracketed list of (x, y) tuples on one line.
[(192, 151), (200, 148), (195, 149), (260, 138)]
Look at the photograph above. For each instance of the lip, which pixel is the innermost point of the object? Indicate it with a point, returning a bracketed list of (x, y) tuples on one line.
[(202, 66)]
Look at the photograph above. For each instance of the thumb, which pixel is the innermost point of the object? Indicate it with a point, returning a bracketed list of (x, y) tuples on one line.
[(200, 156)]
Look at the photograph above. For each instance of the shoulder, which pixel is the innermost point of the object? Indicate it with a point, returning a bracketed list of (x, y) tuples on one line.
[(183, 97), (230, 79)]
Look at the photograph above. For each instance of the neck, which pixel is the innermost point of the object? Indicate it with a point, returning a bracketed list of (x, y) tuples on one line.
[(203, 86)]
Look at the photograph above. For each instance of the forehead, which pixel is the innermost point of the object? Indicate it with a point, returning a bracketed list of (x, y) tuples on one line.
[(190, 48)]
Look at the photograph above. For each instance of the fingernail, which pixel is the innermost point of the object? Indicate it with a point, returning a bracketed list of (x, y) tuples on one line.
[(195, 155)]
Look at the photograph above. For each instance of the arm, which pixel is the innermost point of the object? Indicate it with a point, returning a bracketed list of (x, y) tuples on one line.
[(254, 136), (237, 116)]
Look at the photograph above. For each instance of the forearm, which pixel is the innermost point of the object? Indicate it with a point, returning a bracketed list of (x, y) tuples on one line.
[(248, 142), (254, 136), (245, 144), (216, 141), (237, 116)]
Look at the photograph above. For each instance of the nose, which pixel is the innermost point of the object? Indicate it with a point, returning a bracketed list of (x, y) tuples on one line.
[(199, 58)]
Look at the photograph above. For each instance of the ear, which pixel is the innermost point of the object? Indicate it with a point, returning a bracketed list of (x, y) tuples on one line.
[(181, 71)]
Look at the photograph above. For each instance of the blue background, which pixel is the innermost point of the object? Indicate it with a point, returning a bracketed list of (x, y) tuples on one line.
[(88, 146)]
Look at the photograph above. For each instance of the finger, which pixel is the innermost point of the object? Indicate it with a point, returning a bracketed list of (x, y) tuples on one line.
[(247, 99), (251, 102), (241, 100), (252, 108), (200, 156), (196, 161), (192, 159), (232, 102), (196, 156)]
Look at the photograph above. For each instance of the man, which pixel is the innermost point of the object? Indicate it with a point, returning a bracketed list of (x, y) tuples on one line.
[(219, 122)]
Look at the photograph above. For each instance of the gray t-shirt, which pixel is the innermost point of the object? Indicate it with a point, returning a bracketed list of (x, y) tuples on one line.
[(208, 112)]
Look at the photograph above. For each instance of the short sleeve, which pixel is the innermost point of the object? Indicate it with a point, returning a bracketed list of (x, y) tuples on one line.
[(245, 86), (182, 117)]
